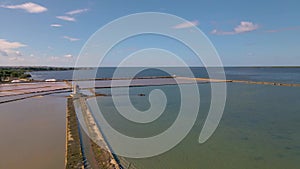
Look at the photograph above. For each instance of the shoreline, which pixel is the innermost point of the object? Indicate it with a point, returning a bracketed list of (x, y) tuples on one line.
[(103, 154)]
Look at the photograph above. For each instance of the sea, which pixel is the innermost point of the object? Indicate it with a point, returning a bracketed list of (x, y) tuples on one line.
[(260, 127), (268, 74)]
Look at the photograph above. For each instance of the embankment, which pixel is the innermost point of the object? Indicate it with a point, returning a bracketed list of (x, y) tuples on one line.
[(240, 81), (81, 151), (73, 157)]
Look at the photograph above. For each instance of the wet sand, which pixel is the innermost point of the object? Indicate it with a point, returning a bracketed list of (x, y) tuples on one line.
[(33, 133)]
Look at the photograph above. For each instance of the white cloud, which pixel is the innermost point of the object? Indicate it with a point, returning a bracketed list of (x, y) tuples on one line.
[(29, 7), (4, 44), (243, 27), (66, 18), (77, 11), (56, 25), (32, 60), (68, 56), (71, 39), (7, 47), (186, 25)]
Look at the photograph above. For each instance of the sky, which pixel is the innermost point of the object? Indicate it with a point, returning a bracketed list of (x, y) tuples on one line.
[(244, 33)]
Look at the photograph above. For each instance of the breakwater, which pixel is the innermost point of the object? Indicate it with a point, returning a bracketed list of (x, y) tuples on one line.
[(73, 155), (95, 153), (207, 80), (161, 81)]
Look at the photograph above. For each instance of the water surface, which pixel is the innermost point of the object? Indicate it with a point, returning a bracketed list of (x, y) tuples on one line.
[(33, 133), (259, 129), (268, 74)]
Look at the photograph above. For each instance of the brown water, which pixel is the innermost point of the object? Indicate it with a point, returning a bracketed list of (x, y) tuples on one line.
[(33, 133)]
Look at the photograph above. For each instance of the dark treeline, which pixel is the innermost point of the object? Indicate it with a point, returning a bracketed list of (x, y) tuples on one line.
[(8, 73), (12, 73)]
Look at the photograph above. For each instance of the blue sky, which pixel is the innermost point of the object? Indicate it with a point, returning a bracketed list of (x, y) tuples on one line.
[(52, 32)]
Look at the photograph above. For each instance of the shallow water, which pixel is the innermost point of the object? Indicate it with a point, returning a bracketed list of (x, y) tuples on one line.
[(33, 133), (259, 129)]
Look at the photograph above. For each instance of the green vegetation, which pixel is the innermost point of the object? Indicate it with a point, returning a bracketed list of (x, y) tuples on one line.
[(10, 73), (13, 73)]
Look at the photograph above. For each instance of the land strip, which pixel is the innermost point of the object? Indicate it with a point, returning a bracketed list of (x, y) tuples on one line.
[(73, 156), (102, 152)]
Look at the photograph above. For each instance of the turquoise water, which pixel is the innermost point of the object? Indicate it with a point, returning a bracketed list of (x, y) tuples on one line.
[(259, 129)]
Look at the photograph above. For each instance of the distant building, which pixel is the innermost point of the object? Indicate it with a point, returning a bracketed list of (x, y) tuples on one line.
[(16, 81), (50, 80)]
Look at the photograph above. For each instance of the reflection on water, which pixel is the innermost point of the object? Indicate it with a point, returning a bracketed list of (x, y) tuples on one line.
[(259, 129), (33, 133)]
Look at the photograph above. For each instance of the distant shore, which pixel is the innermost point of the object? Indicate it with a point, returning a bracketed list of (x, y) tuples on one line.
[(21, 74)]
